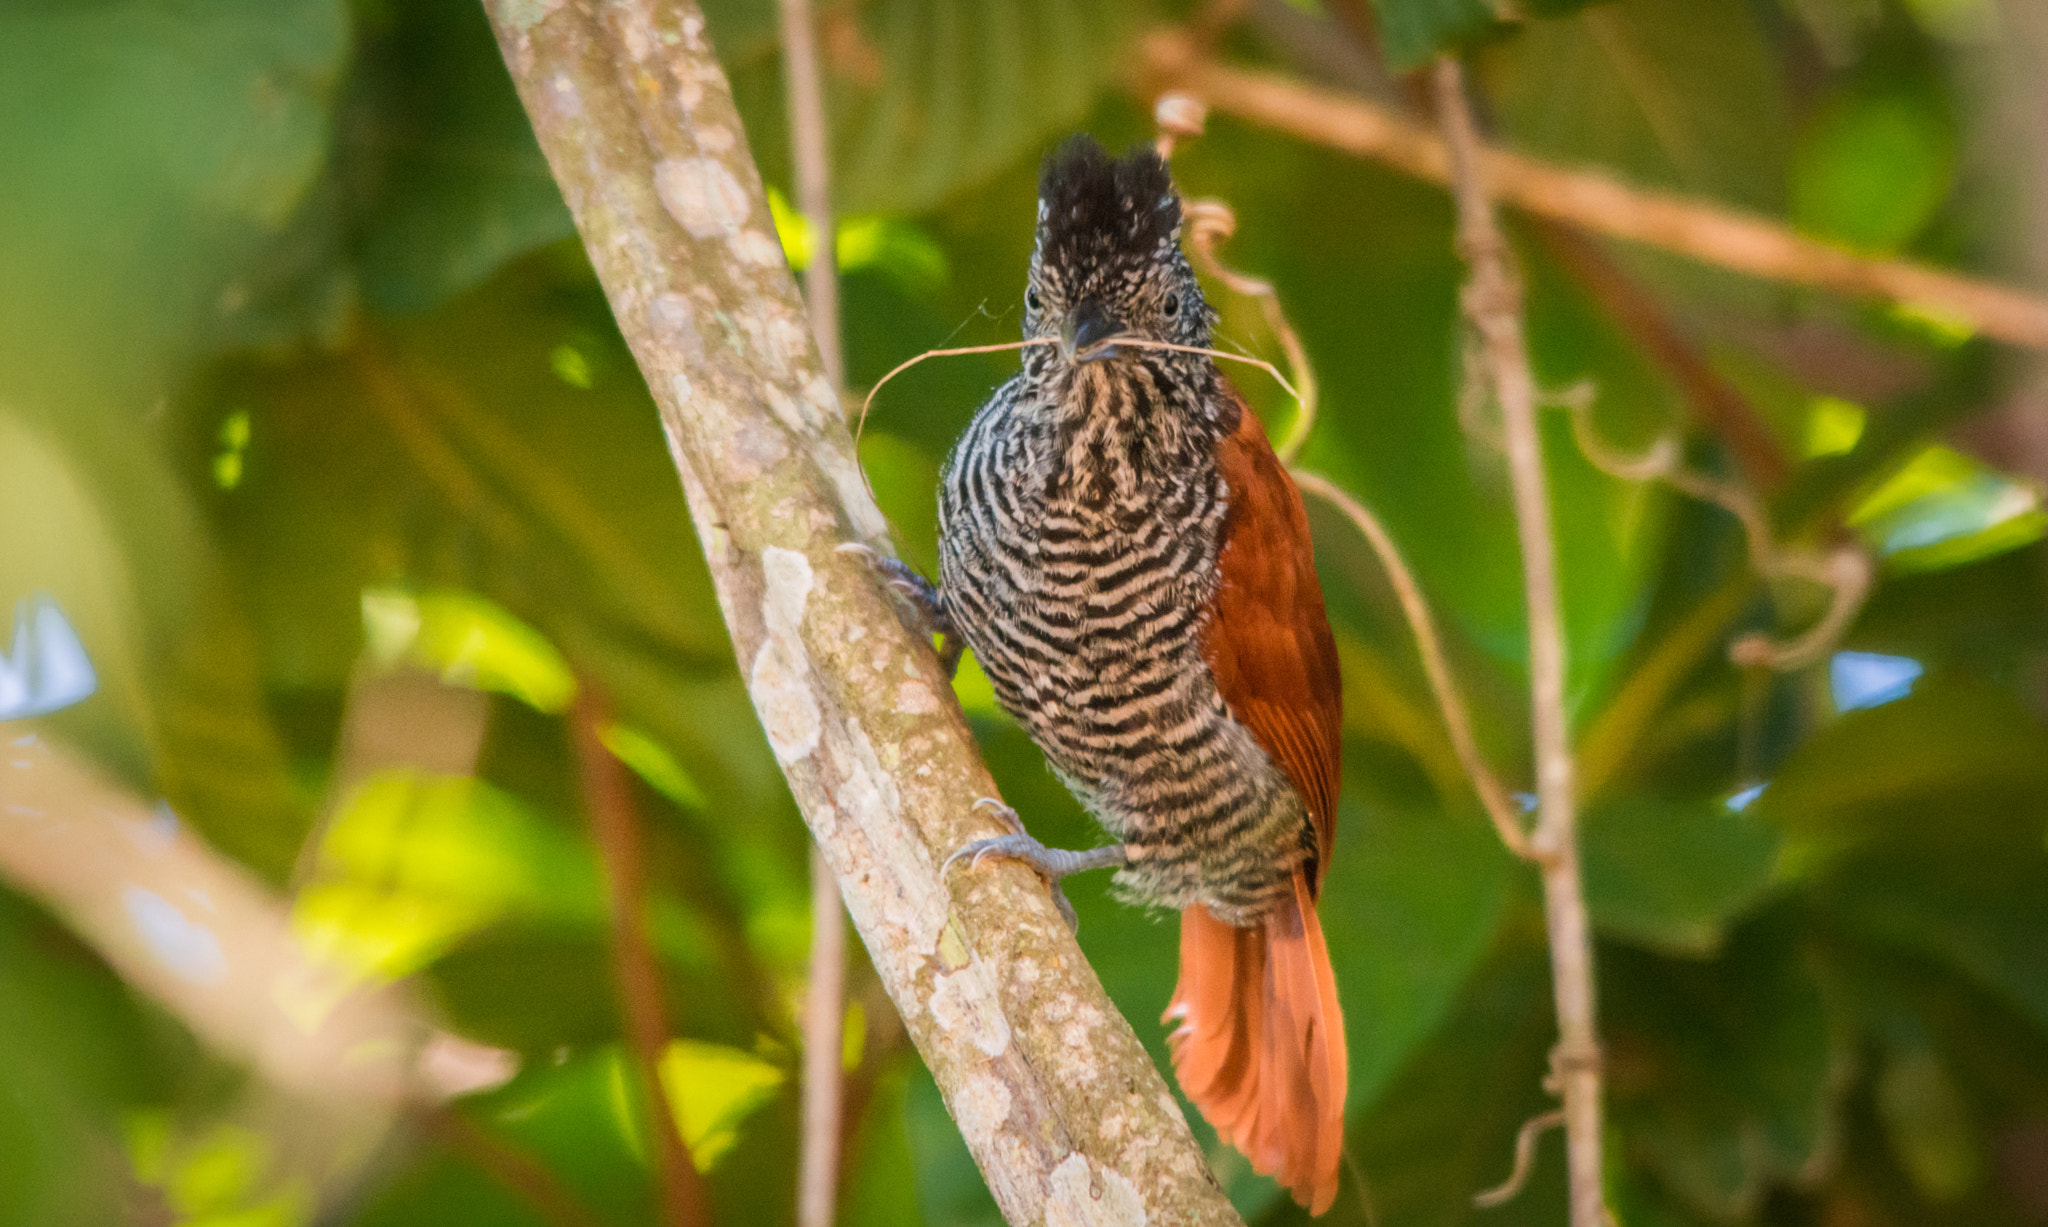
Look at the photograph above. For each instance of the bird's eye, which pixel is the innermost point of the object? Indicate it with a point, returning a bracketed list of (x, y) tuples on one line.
[(1171, 306), (1031, 299)]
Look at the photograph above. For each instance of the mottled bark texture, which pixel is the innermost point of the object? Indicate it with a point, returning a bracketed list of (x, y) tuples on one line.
[(1067, 1117)]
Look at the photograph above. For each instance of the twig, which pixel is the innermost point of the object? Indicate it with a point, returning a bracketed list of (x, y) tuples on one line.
[(1207, 225), (615, 829), (1493, 305), (817, 1196), (1034, 1060), (1715, 402), (1492, 794), (1525, 1161), (1127, 340), (1210, 223), (1845, 570), (824, 1085), (1591, 200)]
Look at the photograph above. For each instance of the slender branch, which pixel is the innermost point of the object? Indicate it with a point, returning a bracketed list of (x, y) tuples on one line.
[(824, 1002), (813, 158), (615, 829), (1052, 1091), (1846, 571), (824, 1085), (1457, 719), (509, 1165), (1590, 200), (1493, 305)]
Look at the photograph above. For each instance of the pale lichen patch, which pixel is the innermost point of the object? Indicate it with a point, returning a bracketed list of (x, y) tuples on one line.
[(916, 699), (757, 248), (779, 682), (1086, 1194), (980, 1108), (962, 1005), (704, 197), (754, 449)]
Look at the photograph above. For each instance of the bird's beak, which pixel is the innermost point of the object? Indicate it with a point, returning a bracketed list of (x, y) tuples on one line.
[(1086, 325)]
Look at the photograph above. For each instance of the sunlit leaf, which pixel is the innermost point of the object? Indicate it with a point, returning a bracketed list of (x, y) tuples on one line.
[(652, 762), (714, 1090), (1944, 509), (469, 641), (894, 248), (410, 864), (1833, 426)]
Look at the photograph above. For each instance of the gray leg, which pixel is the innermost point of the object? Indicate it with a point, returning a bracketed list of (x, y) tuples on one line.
[(1051, 863), (924, 597)]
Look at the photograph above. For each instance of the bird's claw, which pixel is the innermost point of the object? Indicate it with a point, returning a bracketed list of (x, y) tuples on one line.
[(1052, 864)]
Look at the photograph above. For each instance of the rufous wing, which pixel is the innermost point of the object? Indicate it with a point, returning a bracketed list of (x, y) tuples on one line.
[(1268, 639), (1260, 1043)]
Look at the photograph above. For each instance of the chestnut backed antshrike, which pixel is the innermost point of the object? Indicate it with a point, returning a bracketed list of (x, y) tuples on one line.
[(1131, 566)]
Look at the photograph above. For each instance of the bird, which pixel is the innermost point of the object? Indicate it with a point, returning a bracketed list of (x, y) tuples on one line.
[(1131, 565)]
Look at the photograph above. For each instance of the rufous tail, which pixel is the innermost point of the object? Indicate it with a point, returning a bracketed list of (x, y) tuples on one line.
[(1260, 1045)]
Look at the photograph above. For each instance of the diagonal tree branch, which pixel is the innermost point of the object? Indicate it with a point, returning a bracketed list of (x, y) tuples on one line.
[(1053, 1093), (1589, 200)]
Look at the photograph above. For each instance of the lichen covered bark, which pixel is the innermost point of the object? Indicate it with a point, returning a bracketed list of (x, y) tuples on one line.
[(1055, 1096)]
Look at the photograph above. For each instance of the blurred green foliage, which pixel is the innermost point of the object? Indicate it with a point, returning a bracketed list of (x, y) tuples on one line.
[(306, 390)]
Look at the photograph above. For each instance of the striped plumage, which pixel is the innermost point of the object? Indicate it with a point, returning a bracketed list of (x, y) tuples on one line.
[(1131, 567), (1080, 580)]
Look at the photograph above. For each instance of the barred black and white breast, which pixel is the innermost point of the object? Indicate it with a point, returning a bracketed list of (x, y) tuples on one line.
[(1079, 526)]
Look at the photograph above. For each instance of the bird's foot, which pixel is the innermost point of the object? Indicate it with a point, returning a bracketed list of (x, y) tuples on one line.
[(921, 593), (1052, 864)]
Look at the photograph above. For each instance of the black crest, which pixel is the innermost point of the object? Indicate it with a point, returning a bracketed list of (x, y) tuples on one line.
[(1095, 204)]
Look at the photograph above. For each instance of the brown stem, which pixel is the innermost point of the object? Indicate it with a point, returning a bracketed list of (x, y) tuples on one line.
[(1457, 720), (509, 1165), (615, 829), (824, 1002), (1493, 306), (1590, 200), (1054, 1095)]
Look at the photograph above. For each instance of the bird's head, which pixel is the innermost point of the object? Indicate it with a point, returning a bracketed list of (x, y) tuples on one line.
[(1108, 261)]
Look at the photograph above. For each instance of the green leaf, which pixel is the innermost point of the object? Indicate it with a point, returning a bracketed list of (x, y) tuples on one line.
[(1412, 901), (1669, 92), (1411, 31), (450, 182), (1721, 1073), (1943, 509), (1445, 1127), (468, 641), (1672, 875), (151, 156), (714, 1090), (1929, 1125), (1957, 763), (1979, 911), (1872, 169), (927, 97)]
